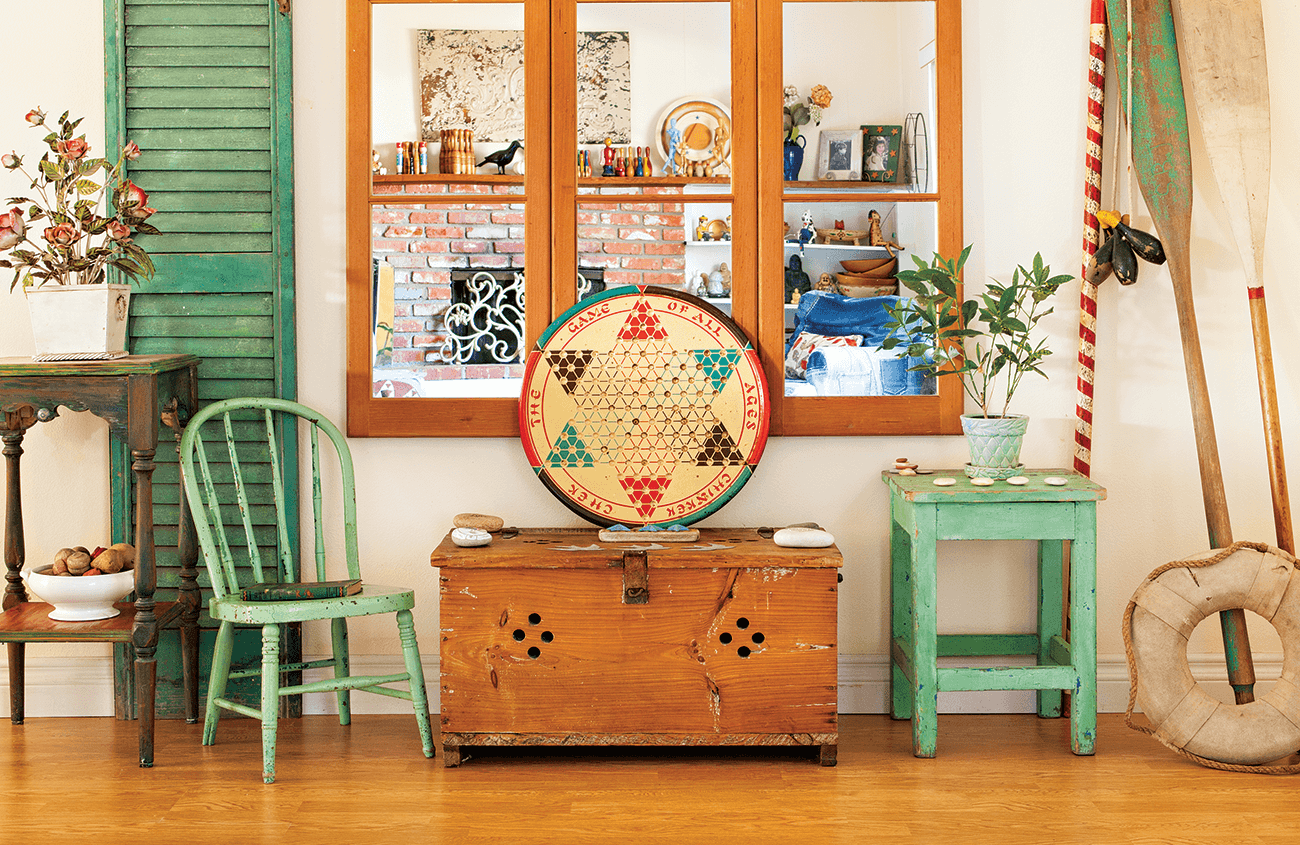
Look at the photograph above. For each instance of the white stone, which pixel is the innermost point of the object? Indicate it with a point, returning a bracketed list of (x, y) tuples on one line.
[(803, 538), (982, 482), (470, 537), (1018, 480), (944, 482), (1056, 481)]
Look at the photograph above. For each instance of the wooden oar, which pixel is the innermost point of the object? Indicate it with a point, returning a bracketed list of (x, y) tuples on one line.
[(1223, 43), (1163, 161)]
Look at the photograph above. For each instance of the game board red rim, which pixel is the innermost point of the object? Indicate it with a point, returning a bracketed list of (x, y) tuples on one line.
[(697, 431)]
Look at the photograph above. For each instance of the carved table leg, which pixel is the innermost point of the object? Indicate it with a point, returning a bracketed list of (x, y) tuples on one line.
[(176, 416), (16, 681), (15, 554), (144, 636)]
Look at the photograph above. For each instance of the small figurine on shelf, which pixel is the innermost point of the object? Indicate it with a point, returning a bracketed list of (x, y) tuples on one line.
[(877, 236), (807, 232), (826, 282), (502, 157), (609, 158), (638, 164), (796, 280), (376, 168), (715, 284), (702, 230), (725, 272), (674, 147), (726, 236)]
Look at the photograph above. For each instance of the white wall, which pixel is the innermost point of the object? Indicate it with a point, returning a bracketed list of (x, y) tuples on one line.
[(1024, 103)]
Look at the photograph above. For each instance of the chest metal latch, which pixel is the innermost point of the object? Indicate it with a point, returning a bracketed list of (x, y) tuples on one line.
[(636, 578)]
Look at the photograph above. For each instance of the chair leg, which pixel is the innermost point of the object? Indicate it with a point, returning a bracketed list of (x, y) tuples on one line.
[(419, 697), (217, 680), (270, 698), (339, 632)]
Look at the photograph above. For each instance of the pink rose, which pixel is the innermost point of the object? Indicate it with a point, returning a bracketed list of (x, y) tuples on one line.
[(73, 148), (131, 151), (12, 228), (11, 161), (117, 230), (63, 234), (36, 117)]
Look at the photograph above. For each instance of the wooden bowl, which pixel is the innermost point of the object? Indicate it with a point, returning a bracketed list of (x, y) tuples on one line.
[(878, 287), (862, 265), (882, 271)]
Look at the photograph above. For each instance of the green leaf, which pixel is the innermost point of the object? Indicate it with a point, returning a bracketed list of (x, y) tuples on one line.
[(86, 186)]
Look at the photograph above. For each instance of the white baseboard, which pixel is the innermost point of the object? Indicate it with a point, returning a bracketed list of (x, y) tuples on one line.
[(83, 686)]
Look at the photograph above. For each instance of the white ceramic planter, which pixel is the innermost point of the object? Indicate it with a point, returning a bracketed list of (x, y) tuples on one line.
[(75, 322)]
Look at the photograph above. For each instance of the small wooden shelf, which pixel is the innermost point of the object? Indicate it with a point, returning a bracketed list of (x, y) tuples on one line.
[(447, 178), (610, 181), (511, 179), (30, 622)]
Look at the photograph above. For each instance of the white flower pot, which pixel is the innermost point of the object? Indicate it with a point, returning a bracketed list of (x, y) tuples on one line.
[(79, 322)]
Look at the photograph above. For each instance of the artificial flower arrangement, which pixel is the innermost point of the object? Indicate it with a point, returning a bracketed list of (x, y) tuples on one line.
[(80, 239), (798, 113)]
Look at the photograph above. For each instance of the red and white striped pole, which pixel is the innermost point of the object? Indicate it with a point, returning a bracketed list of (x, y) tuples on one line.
[(1091, 203)]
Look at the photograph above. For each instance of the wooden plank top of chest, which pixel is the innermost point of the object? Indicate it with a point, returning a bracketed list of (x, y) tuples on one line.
[(580, 548)]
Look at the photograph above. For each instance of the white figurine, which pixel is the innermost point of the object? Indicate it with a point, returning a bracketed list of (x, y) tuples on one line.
[(807, 232)]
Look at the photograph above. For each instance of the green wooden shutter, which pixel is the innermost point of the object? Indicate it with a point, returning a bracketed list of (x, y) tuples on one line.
[(204, 87)]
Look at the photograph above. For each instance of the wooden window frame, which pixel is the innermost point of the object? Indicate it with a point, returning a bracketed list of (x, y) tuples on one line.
[(551, 200)]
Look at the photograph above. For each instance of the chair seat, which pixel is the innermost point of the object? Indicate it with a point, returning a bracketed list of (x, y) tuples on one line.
[(373, 599)]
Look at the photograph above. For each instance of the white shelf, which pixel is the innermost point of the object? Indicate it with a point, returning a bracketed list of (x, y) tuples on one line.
[(882, 251)]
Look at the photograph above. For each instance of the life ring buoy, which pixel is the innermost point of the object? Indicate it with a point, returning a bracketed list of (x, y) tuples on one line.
[(1165, 610)]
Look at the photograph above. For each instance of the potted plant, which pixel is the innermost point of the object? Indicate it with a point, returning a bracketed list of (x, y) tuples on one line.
[(986, 342), (798, 113), (91, 213)]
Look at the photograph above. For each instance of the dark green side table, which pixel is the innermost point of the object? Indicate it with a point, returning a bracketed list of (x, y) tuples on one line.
[(921, 514), (134, 395)]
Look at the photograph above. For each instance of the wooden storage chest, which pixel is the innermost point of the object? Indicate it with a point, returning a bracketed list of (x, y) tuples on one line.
[(550, 637)]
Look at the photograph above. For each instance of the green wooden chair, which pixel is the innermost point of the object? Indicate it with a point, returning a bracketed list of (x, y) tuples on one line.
[(222, 456)]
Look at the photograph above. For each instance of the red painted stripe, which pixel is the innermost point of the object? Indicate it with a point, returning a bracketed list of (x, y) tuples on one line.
[(1255, 293)]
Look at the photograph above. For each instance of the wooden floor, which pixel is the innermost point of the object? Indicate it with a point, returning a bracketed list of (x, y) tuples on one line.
[(998, 779)]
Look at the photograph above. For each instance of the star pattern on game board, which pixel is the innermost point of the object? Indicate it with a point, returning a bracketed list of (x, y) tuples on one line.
[(643, 408)]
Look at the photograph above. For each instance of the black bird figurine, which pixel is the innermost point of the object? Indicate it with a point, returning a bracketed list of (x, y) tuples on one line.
[(502, 157)]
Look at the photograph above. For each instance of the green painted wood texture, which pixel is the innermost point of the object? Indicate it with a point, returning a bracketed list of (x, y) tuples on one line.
[(204, 87), (922, 514), (218, 453)]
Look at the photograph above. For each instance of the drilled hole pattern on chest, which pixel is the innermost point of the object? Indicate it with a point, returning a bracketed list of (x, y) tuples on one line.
[(521, 635), (746, 641)]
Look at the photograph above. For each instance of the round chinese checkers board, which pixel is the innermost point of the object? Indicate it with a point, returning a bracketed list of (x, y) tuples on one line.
[(643, 406)]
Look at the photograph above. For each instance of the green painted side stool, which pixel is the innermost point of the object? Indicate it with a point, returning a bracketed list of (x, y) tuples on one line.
[(921, 514)]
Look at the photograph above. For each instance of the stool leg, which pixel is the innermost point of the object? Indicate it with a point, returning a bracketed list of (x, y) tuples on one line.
[(1083, 628), (1051, 602), (900, 563), (925, 641)]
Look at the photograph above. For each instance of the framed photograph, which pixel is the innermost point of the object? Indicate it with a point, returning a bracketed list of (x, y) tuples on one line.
[(880, 154), (841, 150)]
